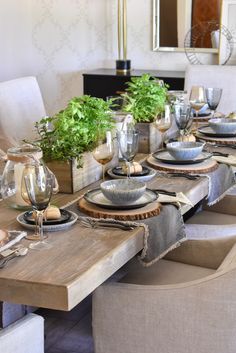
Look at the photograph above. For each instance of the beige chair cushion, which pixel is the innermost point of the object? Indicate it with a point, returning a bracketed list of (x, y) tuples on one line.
[(207, 217), (21, 105), (164, 272)]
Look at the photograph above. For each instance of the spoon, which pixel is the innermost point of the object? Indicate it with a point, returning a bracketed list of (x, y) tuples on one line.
[(19, 252)]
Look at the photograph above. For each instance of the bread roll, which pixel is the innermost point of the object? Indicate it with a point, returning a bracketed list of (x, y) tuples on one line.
[(134, 168), (3, 237), (52, 212)]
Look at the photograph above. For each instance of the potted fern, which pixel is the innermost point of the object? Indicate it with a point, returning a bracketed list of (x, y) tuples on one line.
[(145, 98), (67, 138)]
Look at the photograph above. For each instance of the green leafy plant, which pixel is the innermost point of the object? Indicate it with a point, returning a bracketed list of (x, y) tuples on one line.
[(145, 98), (74, 130)]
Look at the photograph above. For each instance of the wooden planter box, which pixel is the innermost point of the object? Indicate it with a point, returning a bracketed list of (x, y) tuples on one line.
[(72, 179), (149, 137)]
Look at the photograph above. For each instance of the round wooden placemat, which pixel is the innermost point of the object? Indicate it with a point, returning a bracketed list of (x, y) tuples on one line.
[(218, 140), (209, 165), (150, 210)]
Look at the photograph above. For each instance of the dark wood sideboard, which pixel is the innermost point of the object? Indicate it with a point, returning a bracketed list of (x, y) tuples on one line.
[(106, 82)]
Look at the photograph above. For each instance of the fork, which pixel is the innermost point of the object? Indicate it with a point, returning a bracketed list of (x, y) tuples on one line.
[(19, 252), (90, 223)]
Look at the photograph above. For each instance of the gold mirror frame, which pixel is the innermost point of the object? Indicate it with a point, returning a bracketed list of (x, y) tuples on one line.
[(156, 37)]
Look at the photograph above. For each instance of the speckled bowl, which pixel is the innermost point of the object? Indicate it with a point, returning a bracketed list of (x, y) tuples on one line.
[(223, 125), (185, 150), (123, 191)]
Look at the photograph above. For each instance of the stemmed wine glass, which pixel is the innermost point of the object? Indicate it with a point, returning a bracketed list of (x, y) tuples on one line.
[(183, 117), (128, 144), (213, 96), (104, 151), (163, 123), (36, 190), (197, 99)]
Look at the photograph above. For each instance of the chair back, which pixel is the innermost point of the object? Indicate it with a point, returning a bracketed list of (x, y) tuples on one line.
[(21, 105), (214, 76)]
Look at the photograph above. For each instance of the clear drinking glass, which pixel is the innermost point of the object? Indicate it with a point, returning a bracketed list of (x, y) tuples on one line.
[(213, 96), (163, 123), (197, 99), (104, 151), (183, 117), (37, 186), (128, 144)]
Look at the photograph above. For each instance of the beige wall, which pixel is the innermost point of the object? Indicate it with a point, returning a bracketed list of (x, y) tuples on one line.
[(56, 40)]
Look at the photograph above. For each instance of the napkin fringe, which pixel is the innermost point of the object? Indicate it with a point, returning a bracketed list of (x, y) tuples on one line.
[(160, 256)]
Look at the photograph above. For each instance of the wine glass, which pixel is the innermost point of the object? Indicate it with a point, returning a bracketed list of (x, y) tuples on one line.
[(163, 123), (128, 144), (104, 151), (213, 96), (183, 117), (36, 190), (197, 99)]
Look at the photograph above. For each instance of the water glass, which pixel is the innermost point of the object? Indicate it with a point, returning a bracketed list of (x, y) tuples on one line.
[(37, 187), (183, 117), (213, 96), (128, 144)]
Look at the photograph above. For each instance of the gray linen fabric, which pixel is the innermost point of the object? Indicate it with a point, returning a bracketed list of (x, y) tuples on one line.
[(162, 233), (220, 182)]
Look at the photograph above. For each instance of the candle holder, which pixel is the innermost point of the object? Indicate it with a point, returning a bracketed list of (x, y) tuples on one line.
[(123, 65)]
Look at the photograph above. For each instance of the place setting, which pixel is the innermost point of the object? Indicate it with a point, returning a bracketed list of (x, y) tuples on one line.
[(31, 190)]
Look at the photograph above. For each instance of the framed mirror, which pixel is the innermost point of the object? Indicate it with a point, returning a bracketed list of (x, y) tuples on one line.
[(173, 19)]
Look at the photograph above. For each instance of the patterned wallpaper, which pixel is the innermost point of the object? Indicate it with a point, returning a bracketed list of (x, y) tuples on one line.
[(57, 40)]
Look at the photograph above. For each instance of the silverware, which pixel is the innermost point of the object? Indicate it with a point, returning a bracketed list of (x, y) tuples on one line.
[(164, 192), (184, 175), (221, 154), (90, 223), (19, 252), (223, 145)]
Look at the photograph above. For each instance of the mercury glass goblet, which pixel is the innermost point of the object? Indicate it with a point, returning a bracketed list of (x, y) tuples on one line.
[(163, 122), (104, 151)]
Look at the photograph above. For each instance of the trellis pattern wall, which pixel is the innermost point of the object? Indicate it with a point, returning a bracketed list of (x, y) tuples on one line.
[(57, 40)]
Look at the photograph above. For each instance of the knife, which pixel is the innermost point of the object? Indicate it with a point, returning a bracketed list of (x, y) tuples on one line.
[(164, 192)]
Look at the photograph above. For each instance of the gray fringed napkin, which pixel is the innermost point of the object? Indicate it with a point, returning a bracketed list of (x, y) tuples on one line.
[(220, 182), (162, 233)]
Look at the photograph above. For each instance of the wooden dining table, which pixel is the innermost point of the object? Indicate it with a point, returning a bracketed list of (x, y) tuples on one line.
[(80, 258)]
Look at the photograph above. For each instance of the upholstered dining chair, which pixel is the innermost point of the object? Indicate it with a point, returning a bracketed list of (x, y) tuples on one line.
[(220, 76), (23, 336), (21, 105), (214, 221), (185, 303)]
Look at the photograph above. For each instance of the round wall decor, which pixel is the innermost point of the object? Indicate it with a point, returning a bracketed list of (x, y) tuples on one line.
[(195, 38)]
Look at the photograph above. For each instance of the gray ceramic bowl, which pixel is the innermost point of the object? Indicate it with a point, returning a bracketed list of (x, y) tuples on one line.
[(184, 150), (223, 125), (123, 191)]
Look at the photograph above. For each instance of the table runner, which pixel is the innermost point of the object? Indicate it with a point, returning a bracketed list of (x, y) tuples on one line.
[(162, 233), (220, 182)]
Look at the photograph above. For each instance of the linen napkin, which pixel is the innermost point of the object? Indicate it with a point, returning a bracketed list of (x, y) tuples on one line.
[(14, 237), (230, 160), (179, 198)]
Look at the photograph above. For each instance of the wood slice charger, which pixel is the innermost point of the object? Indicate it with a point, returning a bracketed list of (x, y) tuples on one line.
[(207, 166), (150, 210), (218, 140)]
